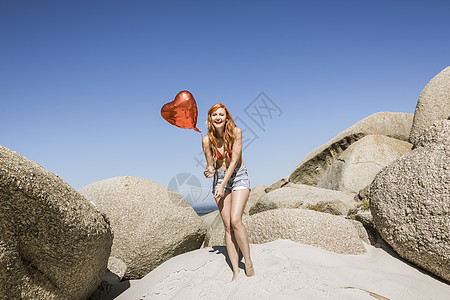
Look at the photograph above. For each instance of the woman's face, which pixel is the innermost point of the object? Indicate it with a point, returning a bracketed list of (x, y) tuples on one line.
[(218, 117)]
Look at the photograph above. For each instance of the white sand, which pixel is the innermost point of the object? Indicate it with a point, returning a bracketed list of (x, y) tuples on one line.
[(288, 270)]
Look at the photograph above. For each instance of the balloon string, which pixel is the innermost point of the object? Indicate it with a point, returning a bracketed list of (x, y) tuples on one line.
[(205, 168), (208, 191)]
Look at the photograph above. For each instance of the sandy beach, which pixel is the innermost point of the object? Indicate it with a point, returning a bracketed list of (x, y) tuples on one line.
[(287, 270)]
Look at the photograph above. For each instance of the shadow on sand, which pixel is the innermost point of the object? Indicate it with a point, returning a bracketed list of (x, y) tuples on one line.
[(382, 244), (223, 250)]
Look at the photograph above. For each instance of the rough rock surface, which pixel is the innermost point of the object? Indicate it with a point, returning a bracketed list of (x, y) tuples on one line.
[(357, 166), (334, 207), (117, 267), (255, 194), (53, 242), (309, 227), (433, 104), (410, 202), (215, 225), (363, 194), (315, 163), (208, 219), (304, 196), (361, 215), (216, 222), (362, 231), (150, 222), (277, 184)]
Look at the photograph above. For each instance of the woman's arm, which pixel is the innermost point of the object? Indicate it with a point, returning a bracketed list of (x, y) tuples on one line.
[(209, 159), (235, 156)]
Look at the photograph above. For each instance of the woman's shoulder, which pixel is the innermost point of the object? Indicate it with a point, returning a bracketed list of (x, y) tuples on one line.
[(205, 140), (237, 131)]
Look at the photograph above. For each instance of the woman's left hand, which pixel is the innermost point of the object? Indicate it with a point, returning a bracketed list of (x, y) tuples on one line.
[(219, 193)]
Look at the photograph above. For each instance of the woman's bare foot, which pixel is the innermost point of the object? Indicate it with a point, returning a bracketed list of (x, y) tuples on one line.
[(235, 275), (249, 271)]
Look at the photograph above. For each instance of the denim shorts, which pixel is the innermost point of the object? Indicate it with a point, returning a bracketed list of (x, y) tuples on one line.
[(239, 180)]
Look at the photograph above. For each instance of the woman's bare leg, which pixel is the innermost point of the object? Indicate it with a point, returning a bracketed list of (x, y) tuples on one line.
[(238, 200), (224, 205)]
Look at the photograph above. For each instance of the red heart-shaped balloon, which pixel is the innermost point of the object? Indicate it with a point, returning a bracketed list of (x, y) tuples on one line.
[(182, 111)]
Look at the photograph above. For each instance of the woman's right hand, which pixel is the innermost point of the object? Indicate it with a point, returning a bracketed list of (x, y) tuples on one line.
[(209, 172)]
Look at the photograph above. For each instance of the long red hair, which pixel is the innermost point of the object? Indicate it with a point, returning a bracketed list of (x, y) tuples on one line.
[(228, 135)]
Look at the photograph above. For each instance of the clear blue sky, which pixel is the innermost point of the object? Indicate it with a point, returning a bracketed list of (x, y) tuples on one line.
[(83, 82)]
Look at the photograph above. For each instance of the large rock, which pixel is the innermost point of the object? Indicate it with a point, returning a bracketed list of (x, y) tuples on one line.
[(357, 166), (304, 196), (256, 193), (410, 202), (433, 104), (216, 222), (209, 218), (54, 244), (315, 163), (150, 222), (309, 227), (277, 184), (215, 225)]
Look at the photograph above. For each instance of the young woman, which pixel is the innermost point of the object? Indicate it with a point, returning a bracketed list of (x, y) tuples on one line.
[(231, 184)]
